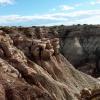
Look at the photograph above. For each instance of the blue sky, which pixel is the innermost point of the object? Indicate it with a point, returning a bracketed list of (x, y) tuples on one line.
[(49, 12)]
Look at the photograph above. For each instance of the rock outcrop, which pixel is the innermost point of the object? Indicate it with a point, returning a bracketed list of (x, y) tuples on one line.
[(34, 69)]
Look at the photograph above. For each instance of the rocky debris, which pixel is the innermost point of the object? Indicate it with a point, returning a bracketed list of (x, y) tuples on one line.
[(85, 94), (39, 72), (88, 94)]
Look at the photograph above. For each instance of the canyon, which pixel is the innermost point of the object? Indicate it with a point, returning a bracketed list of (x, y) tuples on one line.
[(49, 63)]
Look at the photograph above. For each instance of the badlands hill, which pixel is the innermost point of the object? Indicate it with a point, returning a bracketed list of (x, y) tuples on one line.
[(80, 44), (32, 67)]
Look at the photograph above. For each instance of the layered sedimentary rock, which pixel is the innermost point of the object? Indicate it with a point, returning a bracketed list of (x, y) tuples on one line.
[(34, 69)]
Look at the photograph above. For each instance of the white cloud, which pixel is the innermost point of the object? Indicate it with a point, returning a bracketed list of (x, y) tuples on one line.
[(73, 17), (4, 2), (74, 14), (84, 13), (19, 18), (66, 7), (90, 20), (95, 2), (63, 8)]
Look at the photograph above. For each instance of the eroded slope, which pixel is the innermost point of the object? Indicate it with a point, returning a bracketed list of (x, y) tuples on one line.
[(33, 69)]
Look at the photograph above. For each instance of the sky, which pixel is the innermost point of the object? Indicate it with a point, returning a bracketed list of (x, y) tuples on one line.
[(49, 12)]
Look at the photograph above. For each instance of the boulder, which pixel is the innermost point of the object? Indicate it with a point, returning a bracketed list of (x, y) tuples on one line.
[(85, 93)]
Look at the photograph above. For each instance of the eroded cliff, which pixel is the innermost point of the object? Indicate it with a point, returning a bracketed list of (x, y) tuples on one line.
[(80, 44), (32, 68)]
